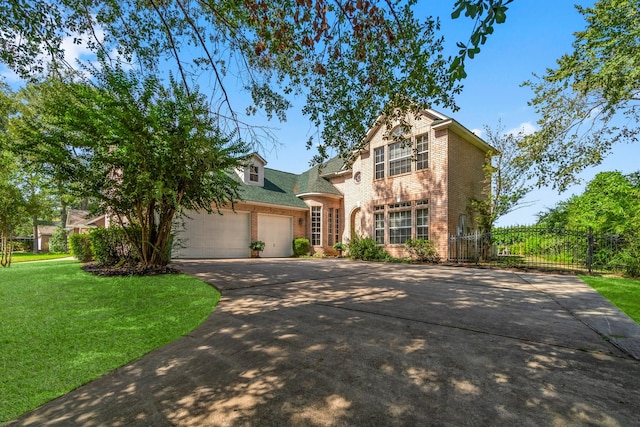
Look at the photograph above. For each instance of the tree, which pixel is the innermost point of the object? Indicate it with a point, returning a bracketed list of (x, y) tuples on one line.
[(351, 59), (590, 101), (145, 151), (505, 178), (12, 204)]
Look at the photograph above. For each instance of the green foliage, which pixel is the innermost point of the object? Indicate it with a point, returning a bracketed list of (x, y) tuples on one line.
[(301, 246), (366, 249), (505, 178), (589, 102), (80, 247), (339, 246), (144, 151), (423, 250), (486, 13), (58, 243), (358, 57), (610, 203), (258, 245), (62, 327), (112, 246)]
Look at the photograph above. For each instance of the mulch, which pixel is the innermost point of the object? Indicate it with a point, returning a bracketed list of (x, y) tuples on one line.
[(127, 270)]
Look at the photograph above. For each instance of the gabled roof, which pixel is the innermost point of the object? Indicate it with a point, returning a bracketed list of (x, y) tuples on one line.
[(81, 218), (313, 181), (441, 121), (279, 189)]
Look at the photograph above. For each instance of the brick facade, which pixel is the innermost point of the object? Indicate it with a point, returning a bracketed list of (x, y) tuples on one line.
[(422, 193), (452, 178)]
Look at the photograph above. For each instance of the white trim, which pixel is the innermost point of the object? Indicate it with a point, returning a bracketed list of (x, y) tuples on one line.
[(465, 133), (250, 202), (332, 196)]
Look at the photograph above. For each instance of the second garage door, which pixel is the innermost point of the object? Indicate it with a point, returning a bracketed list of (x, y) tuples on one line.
[(276, 231), (215, 236)]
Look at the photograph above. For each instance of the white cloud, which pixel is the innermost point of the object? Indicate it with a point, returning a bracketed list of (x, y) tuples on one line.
[(527, 128), (478, 132)]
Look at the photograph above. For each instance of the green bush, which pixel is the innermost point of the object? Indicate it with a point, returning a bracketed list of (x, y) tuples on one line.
[(423, 250), (301, 246), (631, 260), (111, 246), (366, 249), (80, 247), (58, 243)]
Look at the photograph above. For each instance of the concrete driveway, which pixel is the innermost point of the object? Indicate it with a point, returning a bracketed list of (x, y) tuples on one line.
[(335, 342)]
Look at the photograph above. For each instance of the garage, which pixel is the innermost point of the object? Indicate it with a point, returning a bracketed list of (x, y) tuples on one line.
[(214, 236), (276, 231)]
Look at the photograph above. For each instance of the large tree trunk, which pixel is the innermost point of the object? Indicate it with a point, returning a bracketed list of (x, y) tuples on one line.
[(6, 247)]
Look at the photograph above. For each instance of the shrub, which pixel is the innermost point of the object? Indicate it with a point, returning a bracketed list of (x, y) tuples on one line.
[(80, 247), (58, 242), (423, 250), (111, 246), (631, 259), (301, 246), (366, 249)]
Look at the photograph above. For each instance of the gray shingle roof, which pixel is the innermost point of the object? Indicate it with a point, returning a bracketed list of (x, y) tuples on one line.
[(312, 181), (281, 188), (278, 190)]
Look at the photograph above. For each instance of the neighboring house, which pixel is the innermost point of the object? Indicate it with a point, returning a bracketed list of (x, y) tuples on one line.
[(44, 234), (391, 191), (81, 221)]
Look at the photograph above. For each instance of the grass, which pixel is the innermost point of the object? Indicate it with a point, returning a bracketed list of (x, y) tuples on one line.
[(27, 256), (623, 293), (61, 327)]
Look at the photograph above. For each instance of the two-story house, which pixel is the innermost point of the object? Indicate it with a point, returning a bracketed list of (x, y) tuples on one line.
[(414, 180)]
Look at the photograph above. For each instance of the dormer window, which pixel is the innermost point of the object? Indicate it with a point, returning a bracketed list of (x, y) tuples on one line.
[(254, 173)]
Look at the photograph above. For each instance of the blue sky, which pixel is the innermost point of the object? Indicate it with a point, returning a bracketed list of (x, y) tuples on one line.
[(536, 33)]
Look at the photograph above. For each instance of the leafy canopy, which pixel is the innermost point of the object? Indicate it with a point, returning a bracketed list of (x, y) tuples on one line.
[(505, 178), (610, 203), (591, 100), (145, 151), (349, 59)]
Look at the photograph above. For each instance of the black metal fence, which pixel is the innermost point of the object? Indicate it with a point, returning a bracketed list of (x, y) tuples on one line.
[(542, 248)]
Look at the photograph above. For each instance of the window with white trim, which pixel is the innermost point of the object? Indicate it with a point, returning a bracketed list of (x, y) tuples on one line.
[(337, 226), (254, 173), (379, 162), (422, 151), (399, 158), (399, 226), (330, 224), (316, 225), (422, 219), (378, 219)]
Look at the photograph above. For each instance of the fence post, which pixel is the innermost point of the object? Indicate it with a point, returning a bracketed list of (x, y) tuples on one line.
[(477, 254), (589, 249)]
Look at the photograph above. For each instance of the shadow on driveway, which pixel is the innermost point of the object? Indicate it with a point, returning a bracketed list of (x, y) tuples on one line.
[(335, 342)]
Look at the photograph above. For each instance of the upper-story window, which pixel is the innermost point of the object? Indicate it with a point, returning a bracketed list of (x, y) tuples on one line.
[(422, 152), (400, 150), (254, 174), (399, 158), (379, 162)]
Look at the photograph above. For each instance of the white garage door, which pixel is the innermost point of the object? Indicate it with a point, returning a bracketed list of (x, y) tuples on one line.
[(215, 236), (277, 233)]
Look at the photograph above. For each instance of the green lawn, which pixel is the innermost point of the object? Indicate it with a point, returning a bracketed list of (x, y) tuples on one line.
[(623, 293), (26, 256), (61, 327)]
